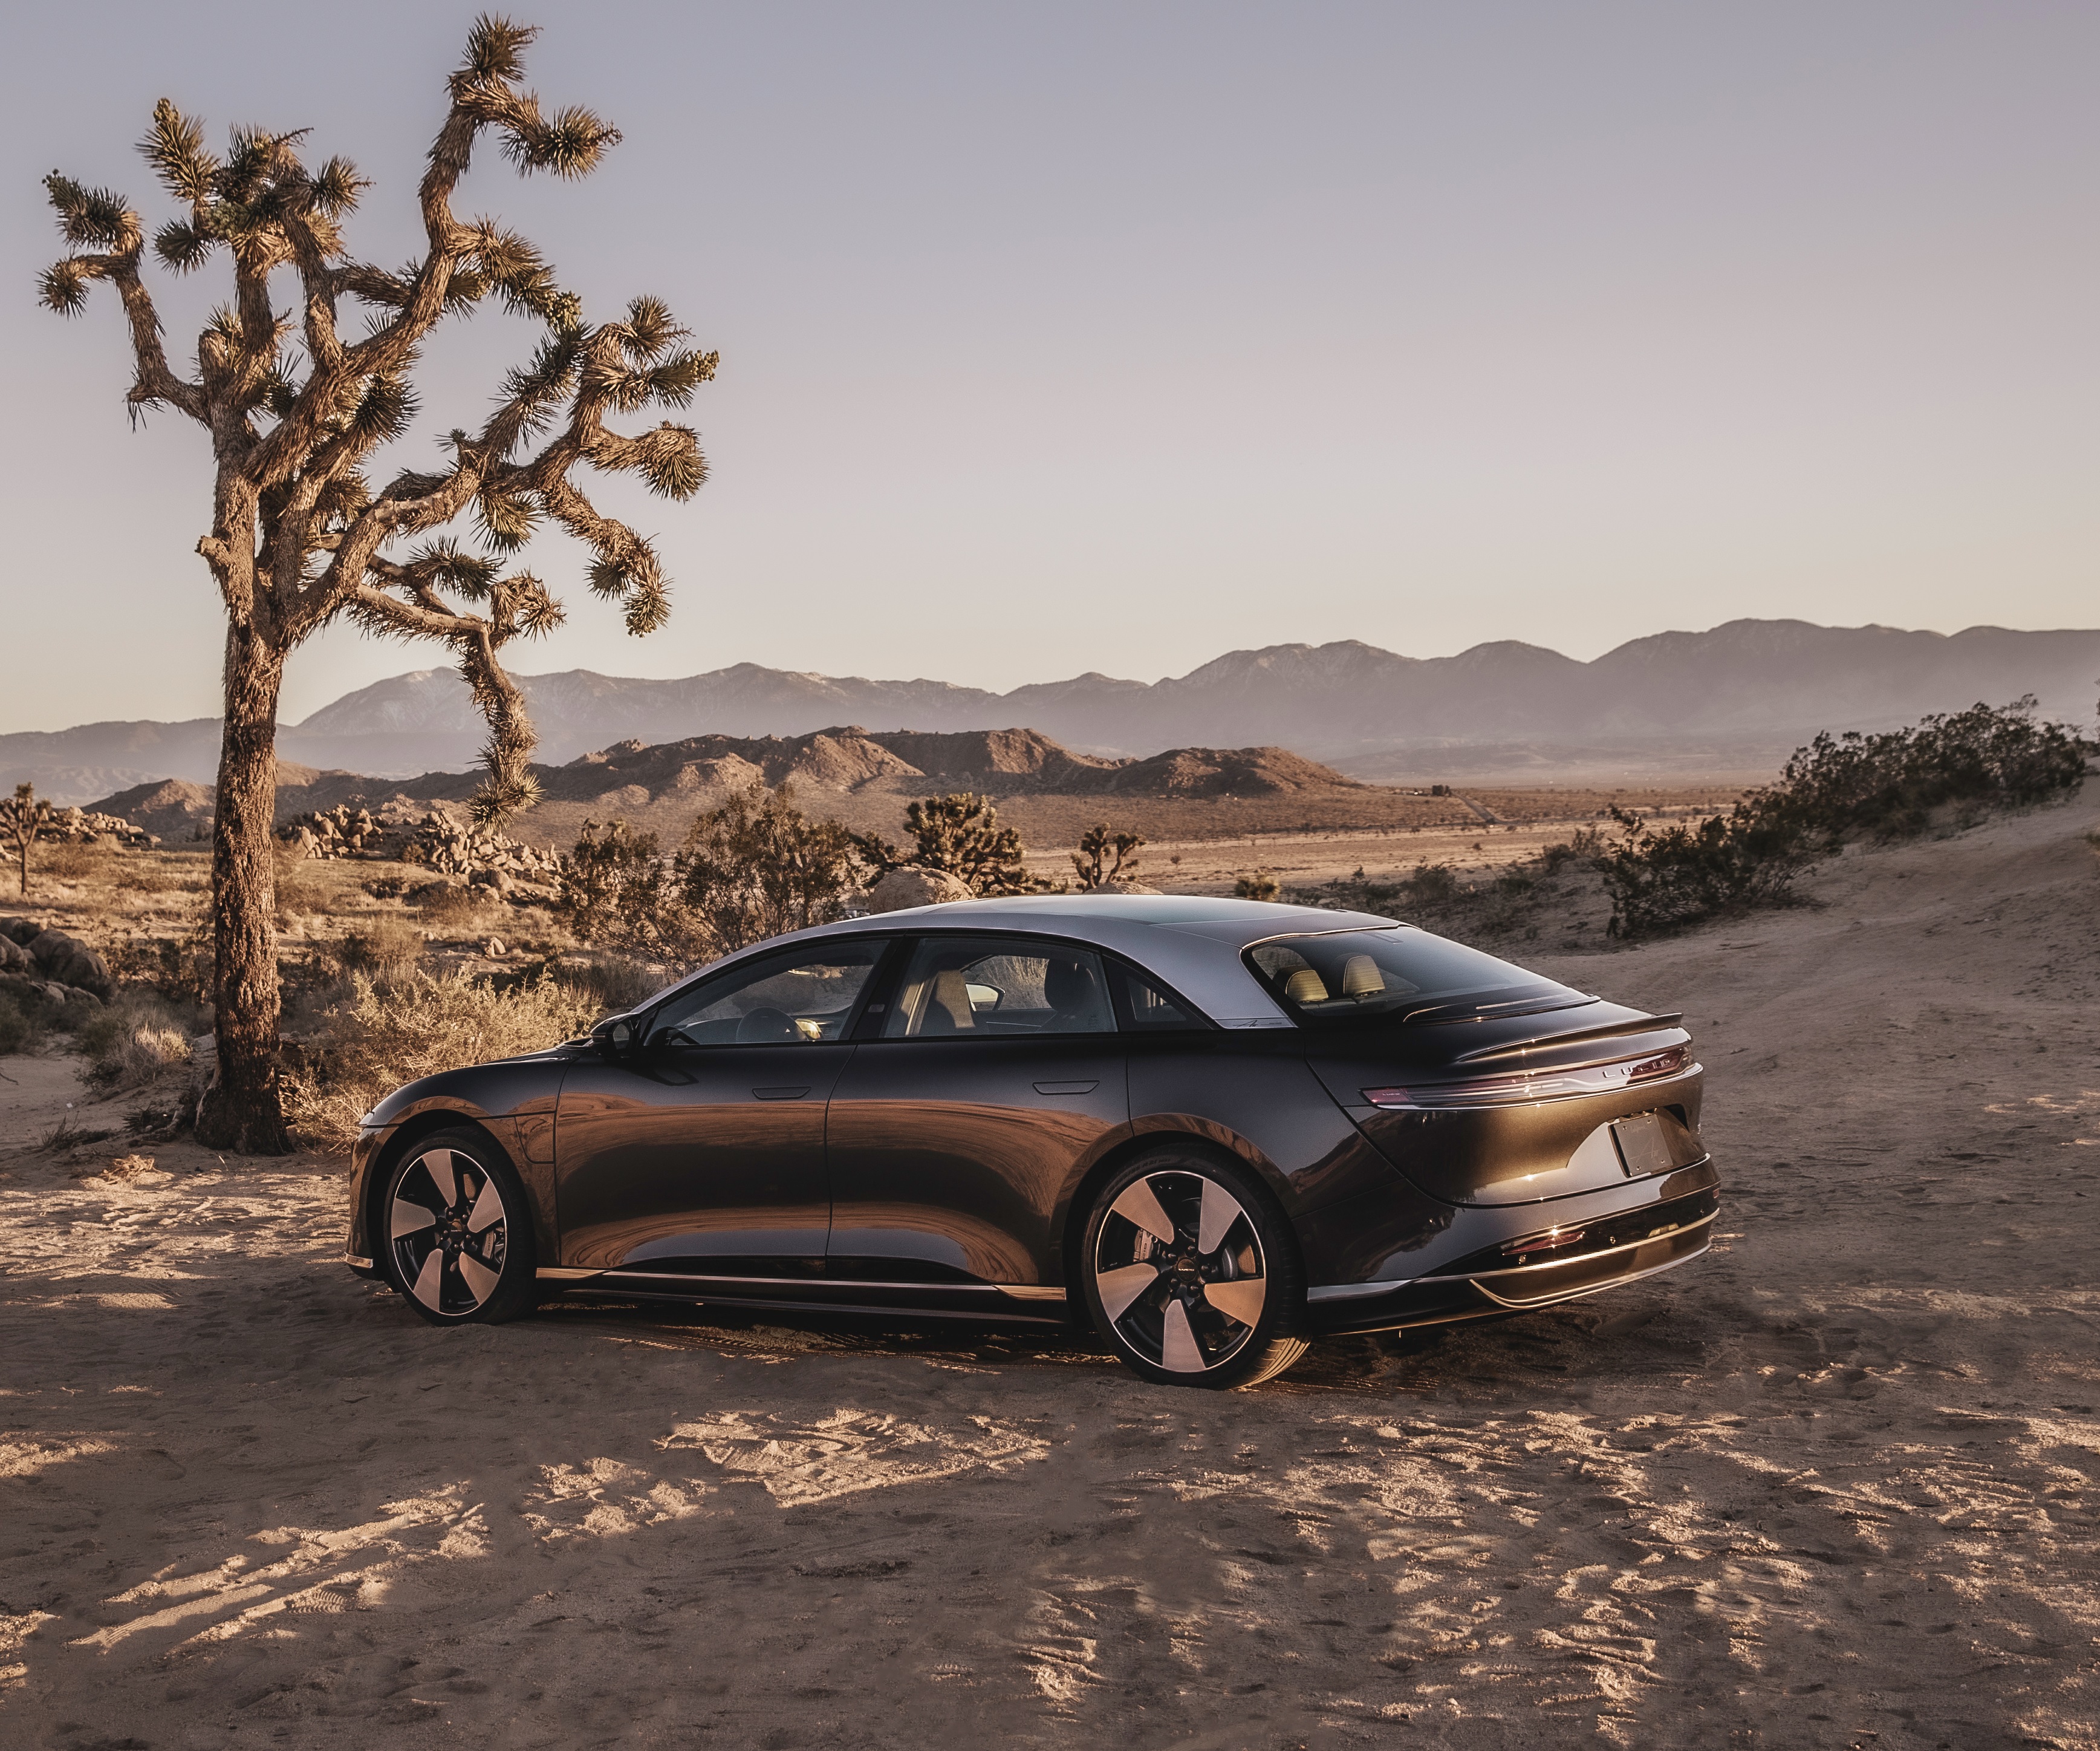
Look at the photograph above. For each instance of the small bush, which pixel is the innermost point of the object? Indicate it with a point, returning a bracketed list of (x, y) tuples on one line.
[(614, 983), (378, 1039), (18, 1029), (297, 891), (384, 949), (1261, 884), (442, 906), (134, 1043)]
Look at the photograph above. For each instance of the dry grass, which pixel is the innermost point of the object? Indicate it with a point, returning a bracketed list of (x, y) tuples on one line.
[(377, 1039), (136, 1042)]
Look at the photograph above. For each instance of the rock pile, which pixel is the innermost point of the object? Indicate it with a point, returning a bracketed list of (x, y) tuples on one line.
[(451, 846), (345, 831), (37, 963), (76, 826)]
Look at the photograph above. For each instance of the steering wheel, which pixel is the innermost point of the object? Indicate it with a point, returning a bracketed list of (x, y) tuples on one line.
[(761, 1027)]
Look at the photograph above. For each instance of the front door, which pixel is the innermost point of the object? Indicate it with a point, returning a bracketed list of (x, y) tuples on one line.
[(702, 1152), (991, 1080)]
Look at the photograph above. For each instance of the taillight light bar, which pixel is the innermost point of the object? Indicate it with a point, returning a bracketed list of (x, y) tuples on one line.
[(1523, 1090)]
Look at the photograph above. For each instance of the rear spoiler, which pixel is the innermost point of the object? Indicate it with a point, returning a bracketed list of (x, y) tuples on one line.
[(1607, 1031)]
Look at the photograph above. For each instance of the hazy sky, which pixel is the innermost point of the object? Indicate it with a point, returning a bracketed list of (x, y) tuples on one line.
[(1115, 336)]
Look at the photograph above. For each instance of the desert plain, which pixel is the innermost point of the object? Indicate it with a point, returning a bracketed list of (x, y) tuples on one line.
[(1836, 1484)]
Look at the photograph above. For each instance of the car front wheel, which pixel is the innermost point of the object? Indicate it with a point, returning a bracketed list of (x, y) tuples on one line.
[(459, 1235), (1192, 1275)]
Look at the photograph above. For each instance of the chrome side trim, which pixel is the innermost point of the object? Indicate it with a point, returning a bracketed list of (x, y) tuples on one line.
[(812, 1282), (1351, 1291), (352, 1260), (1030, 1291), (564, 1274)]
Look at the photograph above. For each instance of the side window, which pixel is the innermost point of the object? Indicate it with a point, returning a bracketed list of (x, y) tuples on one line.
[(785, 999), (1145, 1008), (985, 987)]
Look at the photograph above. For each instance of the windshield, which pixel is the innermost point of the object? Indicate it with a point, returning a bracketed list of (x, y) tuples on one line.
[(1355, 979)]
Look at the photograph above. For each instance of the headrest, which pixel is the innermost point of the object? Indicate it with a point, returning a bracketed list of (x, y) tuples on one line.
[(1304, 986), (1361, 977), (948, 1004), (1068, 984)]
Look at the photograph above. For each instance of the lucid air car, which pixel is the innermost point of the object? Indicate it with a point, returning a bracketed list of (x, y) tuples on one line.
[(1210, 1129)]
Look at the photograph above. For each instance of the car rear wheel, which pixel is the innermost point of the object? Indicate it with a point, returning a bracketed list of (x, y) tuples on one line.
[(1191, 1273), (459, 1235)]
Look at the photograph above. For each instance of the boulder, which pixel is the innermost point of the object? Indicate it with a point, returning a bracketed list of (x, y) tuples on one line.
[(20, 930), (71, 962), (14, 957), (899, 889), (1123, 886)]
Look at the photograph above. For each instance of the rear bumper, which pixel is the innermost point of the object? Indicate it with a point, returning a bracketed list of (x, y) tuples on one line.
[(1484, 1275)]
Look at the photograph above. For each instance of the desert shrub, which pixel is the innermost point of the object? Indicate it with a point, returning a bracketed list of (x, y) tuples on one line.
[(297, 889), (1106, 855), (1885, 786), (960, 834), (377, 1039), (134, 1041), (385, 949), (614, 890), (1558, 883), (446, 906), (1260, 884), (757, 866), (614, 983), (19, 1030), (1661, 880)]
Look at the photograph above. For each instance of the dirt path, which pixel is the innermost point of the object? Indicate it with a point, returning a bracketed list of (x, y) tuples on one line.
[(1838, 1485)]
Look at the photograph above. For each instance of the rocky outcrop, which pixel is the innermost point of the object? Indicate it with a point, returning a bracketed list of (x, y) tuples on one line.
[(451, 846), (76, 826), (53, 957), (898, 890)]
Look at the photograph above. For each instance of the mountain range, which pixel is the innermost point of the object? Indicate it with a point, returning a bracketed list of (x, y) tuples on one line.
[(1739, 696)]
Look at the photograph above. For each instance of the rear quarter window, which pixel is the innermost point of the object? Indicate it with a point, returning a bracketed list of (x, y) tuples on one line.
[(1356, 978)]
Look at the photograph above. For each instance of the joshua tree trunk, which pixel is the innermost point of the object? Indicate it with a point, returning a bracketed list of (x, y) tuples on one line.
[(240, 1109)]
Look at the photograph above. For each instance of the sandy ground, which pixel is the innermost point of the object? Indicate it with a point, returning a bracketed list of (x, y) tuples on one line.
[(1837, 1485)]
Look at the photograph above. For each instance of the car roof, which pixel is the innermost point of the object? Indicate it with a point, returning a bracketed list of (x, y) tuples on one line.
[(1190, 943)]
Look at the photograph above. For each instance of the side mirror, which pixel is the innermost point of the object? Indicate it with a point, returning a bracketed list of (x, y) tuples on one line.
[(618, 1035)]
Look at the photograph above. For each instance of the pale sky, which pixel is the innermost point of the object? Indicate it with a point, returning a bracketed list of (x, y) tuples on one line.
[(1118, 336)]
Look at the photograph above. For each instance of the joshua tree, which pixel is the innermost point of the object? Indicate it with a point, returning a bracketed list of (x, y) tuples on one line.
[(1105, 855), (22, 817), (299, 536), (961, 835)]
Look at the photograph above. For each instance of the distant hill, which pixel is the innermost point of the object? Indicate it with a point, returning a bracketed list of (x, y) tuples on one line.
[(845, 771), (1738, 696)]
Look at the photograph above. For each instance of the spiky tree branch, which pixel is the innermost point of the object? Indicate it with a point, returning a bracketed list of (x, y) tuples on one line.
[(298, 535)]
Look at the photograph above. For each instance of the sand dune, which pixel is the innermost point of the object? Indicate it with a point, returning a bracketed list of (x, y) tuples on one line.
[(1839, 1484)]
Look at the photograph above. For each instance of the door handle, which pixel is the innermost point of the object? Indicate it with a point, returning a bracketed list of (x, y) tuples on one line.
[(1066, 1088), (779, 1094)]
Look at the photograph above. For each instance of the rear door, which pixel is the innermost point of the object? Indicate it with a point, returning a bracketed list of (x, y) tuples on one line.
[(991, 1077), (702, 1153)]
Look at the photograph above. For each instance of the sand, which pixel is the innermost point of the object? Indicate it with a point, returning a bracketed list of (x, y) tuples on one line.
[(1838, 1484)]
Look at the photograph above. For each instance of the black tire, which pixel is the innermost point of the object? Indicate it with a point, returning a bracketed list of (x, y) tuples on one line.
[(455, 1231), (1220, 1315)]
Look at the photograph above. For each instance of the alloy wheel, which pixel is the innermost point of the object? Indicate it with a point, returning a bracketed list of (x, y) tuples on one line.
[(1179, 1270), (449, 1231)]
